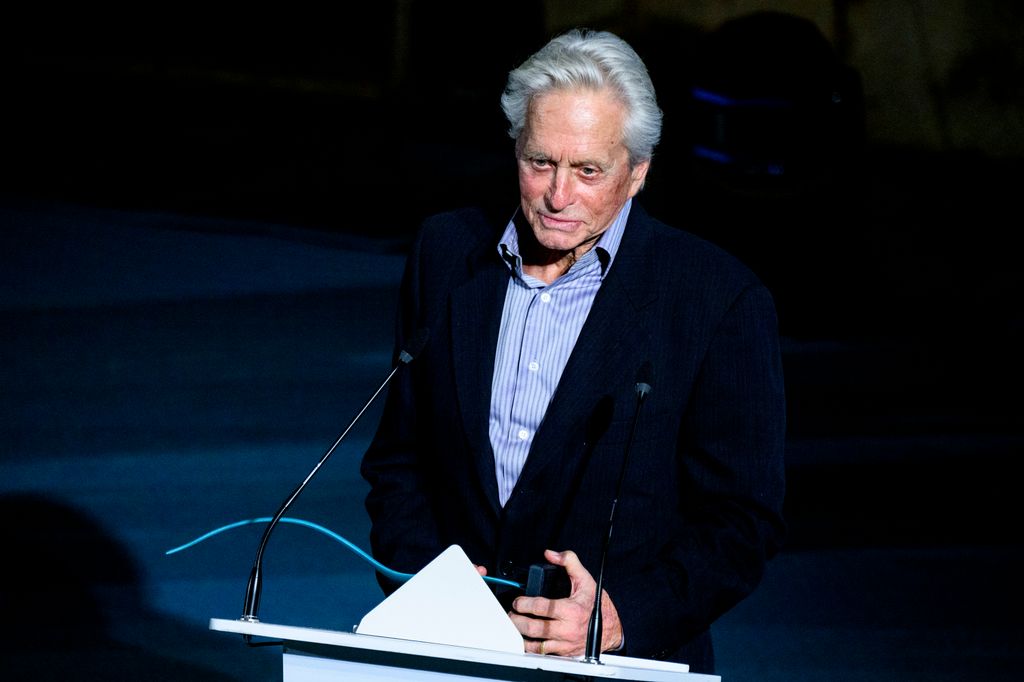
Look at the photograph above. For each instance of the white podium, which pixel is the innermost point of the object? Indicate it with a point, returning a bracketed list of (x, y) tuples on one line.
[(443, 625), (313, 655)]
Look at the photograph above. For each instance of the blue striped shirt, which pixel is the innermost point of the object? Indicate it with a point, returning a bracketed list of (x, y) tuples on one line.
[(539, 327)]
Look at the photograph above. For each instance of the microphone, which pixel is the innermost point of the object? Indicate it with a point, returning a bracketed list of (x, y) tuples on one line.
[(255, 586), (592, 652)]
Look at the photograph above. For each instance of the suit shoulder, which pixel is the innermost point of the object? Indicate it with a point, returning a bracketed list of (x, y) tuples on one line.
[(700, 256), (450, 245), (463, 227)]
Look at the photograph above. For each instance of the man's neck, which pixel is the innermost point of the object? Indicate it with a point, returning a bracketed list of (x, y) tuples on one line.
[(545, 264), (550, 270)]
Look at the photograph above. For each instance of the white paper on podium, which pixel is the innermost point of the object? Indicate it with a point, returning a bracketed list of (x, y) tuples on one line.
[(445, 603)]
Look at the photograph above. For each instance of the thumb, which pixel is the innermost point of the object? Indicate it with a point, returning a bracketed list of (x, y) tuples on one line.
[(574, 568)]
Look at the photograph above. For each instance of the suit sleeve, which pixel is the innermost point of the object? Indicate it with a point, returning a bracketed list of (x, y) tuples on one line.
[(403, 535), (729, 522)]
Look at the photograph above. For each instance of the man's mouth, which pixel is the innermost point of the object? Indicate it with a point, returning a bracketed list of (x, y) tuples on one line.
[(558, 223)]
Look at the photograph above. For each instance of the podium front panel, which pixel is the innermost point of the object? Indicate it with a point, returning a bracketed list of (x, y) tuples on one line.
[(300, 667)]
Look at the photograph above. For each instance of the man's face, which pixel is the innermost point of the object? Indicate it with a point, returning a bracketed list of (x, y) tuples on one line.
[(574, 172)]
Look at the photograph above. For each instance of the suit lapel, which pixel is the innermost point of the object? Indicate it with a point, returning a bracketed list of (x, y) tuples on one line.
[(476, 307)]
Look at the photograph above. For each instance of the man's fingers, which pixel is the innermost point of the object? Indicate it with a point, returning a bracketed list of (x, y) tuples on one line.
[(540, 607), (531, 628)]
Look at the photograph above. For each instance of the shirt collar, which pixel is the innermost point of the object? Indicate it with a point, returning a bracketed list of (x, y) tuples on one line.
[(606, 247)]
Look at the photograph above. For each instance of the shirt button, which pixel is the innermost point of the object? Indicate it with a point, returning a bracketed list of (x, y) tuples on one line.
[(523, 434), (534, 366), (545, 297)]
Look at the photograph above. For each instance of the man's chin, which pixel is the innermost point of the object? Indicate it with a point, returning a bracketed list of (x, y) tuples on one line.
[(560, 243), (557, 240), (558, 236)]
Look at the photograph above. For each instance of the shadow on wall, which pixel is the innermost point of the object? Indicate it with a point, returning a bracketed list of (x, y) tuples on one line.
[(762, 152), (73, 607)]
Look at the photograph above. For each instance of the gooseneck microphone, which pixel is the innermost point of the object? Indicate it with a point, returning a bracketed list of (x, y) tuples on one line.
[(592, 653), (255, 586)]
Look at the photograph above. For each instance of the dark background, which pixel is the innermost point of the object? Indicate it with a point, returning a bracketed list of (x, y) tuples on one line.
[(203, 223)]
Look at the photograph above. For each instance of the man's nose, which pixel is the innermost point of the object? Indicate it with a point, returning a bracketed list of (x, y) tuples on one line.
[(561, 190)]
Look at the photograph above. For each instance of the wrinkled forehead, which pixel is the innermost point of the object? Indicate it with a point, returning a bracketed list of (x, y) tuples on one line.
[(587, 116)]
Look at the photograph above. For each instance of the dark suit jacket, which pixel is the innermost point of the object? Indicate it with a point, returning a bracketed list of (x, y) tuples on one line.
[(700, 507)]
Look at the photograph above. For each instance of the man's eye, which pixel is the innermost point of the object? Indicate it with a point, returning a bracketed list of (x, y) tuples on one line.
[(589, 171), (540, 163)]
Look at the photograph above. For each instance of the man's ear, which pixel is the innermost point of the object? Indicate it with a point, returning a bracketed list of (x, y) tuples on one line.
[(638, 177)]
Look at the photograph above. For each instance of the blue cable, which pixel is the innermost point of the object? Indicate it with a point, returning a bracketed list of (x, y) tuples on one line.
[(387, 572)]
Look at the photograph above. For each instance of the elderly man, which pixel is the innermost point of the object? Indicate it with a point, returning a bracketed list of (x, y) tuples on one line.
[(509, 435)]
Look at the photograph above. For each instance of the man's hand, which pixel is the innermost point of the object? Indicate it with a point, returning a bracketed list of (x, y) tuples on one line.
[(559, 626)]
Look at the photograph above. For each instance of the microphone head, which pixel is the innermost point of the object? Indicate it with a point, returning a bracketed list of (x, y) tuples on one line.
[(644, 379), (415, 345)]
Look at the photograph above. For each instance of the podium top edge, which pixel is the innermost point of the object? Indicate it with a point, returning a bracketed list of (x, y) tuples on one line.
[(614, 667)]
